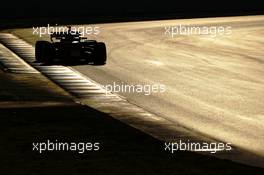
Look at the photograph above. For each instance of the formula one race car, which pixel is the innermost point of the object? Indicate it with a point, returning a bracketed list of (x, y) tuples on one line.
[(70, 46)]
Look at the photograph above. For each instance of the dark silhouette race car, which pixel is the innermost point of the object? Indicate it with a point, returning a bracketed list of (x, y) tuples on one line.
[(70, 46)]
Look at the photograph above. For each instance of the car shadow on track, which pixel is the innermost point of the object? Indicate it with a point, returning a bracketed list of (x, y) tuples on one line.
[(70, 63)]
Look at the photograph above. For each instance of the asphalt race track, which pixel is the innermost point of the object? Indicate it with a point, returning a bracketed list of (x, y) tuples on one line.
[(214, 85)]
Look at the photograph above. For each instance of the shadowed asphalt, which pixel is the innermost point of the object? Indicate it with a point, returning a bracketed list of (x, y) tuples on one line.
[(33, 110)]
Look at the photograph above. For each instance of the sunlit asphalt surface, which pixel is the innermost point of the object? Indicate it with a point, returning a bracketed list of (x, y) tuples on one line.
[(214, 85)]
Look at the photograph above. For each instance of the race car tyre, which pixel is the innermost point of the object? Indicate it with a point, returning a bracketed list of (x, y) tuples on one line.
[(40, 48), (48, 53), (100, 54)]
